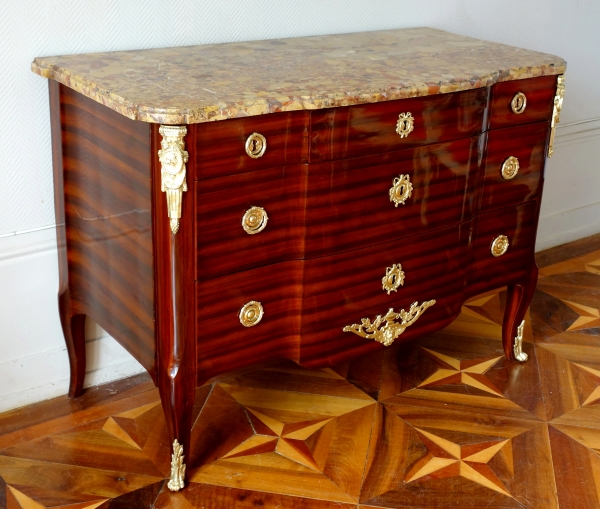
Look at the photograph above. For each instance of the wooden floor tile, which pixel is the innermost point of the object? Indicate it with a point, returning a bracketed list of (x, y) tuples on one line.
[(566, 306), (580, 292), (421, 458), (308, 441), (575, 452), (444, 421), (441, 371), (571, 379)]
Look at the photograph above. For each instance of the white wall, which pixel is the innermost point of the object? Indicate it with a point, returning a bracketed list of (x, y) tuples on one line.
[(33, 360)]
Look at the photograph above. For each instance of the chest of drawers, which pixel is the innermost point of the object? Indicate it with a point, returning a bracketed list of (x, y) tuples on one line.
[(314, 199)]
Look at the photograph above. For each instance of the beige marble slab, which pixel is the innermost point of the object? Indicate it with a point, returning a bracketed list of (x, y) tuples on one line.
[(188, 85)]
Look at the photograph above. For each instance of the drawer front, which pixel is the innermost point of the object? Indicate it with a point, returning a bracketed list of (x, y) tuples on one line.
[(226, 204), (224, 343), (539, 94), (514, 165), (365, 129), (341, 290), (348, 202), (518, 225), (220, 147)]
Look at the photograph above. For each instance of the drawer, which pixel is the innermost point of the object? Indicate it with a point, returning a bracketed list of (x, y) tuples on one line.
[(341, 290), (365, 129), (539, 94), (526, 144), (519, 225), (223, 204), (223, 343), (348, 202), (220, 146)]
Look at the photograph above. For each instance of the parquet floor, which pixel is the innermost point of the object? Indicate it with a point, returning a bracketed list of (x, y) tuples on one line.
[(441, 422)]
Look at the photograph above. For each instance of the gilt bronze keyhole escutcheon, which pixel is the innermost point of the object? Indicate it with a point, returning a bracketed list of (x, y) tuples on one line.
[(393, 279), (518, 103), (405, 124), (401, 190), (256, 145)]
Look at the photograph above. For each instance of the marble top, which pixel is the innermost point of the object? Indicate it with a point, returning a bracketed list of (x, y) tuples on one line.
[(193, 84)]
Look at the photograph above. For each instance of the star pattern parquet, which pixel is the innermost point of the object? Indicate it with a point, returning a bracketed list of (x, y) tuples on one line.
[(482, 460), (444, 421)]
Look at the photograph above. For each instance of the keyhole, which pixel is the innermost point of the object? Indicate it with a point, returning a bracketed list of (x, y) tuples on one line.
[(256, 146)]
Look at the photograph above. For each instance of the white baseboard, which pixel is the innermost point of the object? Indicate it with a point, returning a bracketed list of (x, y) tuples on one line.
[(51, 387), (571, 201), (558, 229)]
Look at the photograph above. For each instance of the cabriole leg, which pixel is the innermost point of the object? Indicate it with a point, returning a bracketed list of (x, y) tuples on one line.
[(176, 339), (518, 299), (177, 375), (177, 400), (73, 327)]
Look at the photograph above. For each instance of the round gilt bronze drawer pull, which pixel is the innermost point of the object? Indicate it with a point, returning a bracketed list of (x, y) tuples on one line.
[(518, 103), (393, 279), (405, 124), (256, 144), (254, 220), (510, 168), (251, 313), (401, 190), (499, 245)]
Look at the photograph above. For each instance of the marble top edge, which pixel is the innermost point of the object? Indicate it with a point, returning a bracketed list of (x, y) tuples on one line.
[(195, 84)]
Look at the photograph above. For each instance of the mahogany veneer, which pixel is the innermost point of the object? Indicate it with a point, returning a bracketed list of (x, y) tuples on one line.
[(344, 288), (355, 193), (287, 135), (539, 92), (519, 225), (353, 131), (223, 246), (530, 151), (102, 195), (224, 344), (173, 299)]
